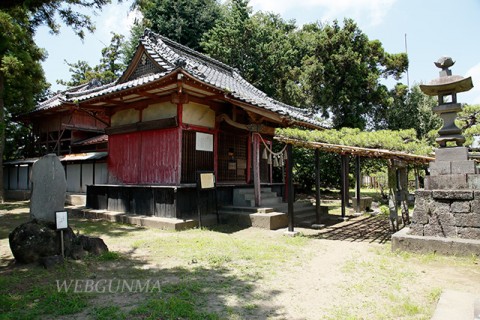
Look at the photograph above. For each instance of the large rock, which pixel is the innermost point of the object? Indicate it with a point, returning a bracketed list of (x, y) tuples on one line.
[(36, 240), (49, 187)]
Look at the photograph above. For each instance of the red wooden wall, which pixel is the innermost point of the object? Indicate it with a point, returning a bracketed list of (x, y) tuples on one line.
[(146, 157)]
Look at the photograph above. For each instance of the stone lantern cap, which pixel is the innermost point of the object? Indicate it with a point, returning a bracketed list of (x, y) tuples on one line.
[(446, 83)]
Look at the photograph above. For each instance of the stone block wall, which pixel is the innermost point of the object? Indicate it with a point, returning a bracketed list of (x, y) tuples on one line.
[(447, 213)]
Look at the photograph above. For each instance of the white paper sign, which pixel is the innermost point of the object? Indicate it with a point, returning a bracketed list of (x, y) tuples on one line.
[(61, 219), (204, 142)]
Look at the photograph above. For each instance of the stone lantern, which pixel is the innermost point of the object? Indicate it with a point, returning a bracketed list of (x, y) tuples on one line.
[(446, 88), (446, 217)]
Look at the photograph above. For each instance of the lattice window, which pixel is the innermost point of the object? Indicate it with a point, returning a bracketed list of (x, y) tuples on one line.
[(232, 157), (192, 159)]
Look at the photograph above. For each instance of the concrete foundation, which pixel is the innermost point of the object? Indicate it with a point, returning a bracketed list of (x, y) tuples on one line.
[(404, 241)]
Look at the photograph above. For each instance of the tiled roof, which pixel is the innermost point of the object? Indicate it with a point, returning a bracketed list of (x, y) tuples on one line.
[(171, 55), (95, 140)]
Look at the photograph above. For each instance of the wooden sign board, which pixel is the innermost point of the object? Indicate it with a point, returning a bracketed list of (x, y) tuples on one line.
[(61, 220), (206, 180), (204, 142)]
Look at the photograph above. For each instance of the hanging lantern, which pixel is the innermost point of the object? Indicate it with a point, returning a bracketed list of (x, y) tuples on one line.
[(264, 154), (269, 161)]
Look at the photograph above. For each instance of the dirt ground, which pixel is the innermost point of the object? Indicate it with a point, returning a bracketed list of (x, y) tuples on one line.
[(345, 271)]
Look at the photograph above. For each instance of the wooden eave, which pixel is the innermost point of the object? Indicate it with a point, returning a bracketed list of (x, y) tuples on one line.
[(139, 93), (213, 93)]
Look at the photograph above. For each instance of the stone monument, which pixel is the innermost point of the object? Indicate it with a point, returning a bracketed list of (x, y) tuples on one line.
[(447, 211), (49, 187), (38, 240)]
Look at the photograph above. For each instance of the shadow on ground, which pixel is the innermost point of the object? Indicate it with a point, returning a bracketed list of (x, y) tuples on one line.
[(373, 229), (190, 292)]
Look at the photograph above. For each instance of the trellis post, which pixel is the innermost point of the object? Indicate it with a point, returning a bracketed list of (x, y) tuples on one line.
[(317, 186), (357, 183), (290, 187)]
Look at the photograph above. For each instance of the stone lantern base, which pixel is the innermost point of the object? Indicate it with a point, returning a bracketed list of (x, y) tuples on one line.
[(446, 216)]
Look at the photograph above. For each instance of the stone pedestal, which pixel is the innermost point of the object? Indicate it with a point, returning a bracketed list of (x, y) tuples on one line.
[(450, 204)]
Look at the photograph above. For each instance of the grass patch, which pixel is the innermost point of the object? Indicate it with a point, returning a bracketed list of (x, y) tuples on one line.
[(172, 308), (39, 302), (228, 273), (108, 313), (109, 256)]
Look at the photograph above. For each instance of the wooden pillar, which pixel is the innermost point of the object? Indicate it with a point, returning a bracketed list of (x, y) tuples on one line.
[(317, 186), (344, 177), (290, 191), (357, 182), (392, 201), (256, 169), (403, 191), (417, 184)]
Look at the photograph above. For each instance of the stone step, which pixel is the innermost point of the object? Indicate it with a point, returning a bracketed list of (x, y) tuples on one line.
[(142, 220), (263, 195), (250, 190), (457, 305), (269, 221), (246, 209)]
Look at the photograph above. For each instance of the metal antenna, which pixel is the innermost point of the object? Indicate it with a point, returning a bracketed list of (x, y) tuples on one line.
[(406, 51)]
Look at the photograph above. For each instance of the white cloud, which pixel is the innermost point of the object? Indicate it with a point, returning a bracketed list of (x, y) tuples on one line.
[(474, 93), (372, 11), (116, 18)]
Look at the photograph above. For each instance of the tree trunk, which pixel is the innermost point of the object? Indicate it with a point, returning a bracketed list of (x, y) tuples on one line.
[(2, 133)]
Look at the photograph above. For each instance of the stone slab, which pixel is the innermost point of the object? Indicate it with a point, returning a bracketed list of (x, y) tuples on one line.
[(455, 305), (439, 168), (269, 221), (446, 182), (451, 154), (139, 220), (460, 207), (403, 241), (473, 181), (291, 233), (467, 220), (452, 194), (459, 167), (365, 203), (49, 188)]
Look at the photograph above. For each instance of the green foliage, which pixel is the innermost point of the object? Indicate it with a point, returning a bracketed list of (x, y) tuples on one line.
[(401, 140), (184, 21), (415, 104), (468, 121), (304, 169), (130, 46), (110, 67), (45, 12), (261, 46), (344, 74)]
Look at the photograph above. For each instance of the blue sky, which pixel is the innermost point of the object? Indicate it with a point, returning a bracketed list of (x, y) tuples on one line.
[(433, 28)]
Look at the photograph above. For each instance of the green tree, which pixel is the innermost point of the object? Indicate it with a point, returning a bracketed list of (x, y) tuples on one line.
[(129, 47), (469, 121), (407, 105), (45, 12), (261, 46), (108, 70), (21, 76), (344, 74), (184, 21)]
